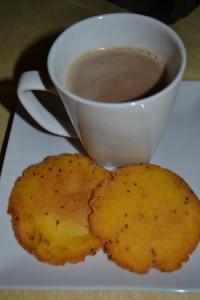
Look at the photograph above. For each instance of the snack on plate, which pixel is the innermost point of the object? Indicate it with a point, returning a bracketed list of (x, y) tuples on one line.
[(49, 208), (147, 217)]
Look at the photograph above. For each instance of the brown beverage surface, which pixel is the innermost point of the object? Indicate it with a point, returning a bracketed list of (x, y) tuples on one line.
[(116, 74)]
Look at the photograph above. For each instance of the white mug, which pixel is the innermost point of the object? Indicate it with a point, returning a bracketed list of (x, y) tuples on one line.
[(113, 134)]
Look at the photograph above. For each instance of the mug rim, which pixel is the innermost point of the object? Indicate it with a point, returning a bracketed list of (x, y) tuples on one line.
[(174, 82)]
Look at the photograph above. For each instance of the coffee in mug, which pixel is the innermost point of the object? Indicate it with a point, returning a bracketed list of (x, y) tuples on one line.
[(125, 121)]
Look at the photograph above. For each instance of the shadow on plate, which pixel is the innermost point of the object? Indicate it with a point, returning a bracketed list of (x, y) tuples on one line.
[(33, 58)]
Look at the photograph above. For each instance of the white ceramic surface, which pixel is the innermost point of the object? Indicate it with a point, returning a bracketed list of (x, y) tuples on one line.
[(112, 134), (179, 151)]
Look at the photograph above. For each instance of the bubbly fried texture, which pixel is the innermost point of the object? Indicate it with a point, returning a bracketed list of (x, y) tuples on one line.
[(49, 208), (147, 217)]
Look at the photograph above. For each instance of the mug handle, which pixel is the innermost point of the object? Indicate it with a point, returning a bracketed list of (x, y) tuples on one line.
[(28, 82)]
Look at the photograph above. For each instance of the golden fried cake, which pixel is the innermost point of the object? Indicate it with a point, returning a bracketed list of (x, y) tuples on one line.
[(147, 217), (49, 208)]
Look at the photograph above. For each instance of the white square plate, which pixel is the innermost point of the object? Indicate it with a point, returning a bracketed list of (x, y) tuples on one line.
[(179, 151)]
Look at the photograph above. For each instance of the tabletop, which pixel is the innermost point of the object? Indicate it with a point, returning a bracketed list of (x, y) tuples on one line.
[(27, 29)]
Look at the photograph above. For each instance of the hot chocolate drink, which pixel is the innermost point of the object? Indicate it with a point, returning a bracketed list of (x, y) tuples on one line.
[(117, 74)]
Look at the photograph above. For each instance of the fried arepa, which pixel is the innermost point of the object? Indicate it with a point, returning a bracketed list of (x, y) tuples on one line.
[(49, 208), (147, 217)]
